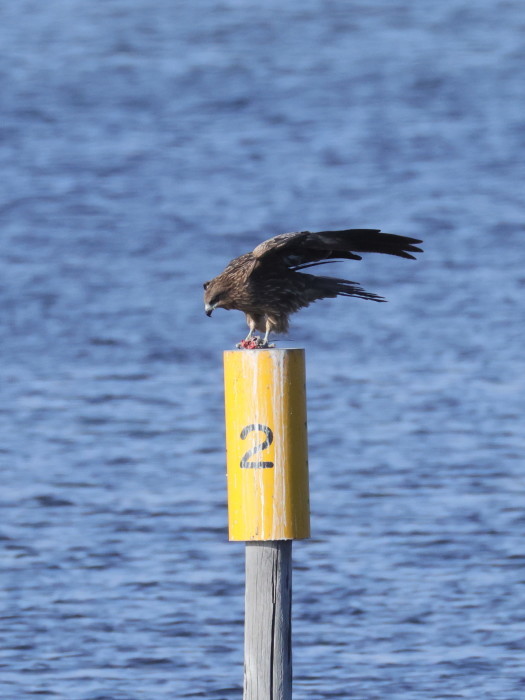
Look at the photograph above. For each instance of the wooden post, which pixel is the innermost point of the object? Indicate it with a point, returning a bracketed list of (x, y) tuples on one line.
[(268, 502), (267, 624)]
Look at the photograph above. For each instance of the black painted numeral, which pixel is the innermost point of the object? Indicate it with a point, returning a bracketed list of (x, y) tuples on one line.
[(259, 464)]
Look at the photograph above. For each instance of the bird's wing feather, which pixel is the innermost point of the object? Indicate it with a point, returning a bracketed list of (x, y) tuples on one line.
[(304, 247), (363, 240)]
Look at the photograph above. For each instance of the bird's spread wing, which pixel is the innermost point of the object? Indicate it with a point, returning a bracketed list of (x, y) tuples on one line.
[(304, 248)]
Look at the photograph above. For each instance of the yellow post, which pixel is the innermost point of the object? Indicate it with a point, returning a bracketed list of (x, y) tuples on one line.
[(266, 442)]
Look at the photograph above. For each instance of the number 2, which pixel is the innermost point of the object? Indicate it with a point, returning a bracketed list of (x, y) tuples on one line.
[(245, 460)]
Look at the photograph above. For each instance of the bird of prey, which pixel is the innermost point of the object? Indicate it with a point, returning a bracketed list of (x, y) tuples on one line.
[(268, 284)]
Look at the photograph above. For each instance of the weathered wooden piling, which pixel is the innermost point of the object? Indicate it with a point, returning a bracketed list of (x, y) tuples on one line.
[(267, 623), (268, 502)]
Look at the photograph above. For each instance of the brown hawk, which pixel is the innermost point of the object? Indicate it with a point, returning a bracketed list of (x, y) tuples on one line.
[(268, 285)]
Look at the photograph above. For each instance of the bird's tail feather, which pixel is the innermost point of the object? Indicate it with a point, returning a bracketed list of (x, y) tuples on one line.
[(326, 287)]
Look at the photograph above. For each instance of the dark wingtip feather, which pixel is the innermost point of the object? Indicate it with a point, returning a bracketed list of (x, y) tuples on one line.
[(372, 241)]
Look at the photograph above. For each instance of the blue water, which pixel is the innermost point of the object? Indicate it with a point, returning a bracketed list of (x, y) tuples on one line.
[(144, 144)]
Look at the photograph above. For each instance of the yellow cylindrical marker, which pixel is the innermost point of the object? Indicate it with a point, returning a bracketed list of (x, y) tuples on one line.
[(266, 442)]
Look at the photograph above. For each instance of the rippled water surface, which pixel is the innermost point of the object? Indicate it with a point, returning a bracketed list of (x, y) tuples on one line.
[(143, 145)]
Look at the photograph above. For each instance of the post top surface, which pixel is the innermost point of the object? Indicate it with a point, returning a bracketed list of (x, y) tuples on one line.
[(255, 350)]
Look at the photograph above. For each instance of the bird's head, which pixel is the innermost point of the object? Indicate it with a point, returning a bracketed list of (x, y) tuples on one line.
[(215, 295)]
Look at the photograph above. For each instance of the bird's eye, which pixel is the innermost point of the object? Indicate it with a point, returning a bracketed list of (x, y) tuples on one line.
[(216, 299)]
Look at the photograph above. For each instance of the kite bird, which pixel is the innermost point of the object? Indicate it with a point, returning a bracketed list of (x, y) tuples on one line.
[(268, 284)]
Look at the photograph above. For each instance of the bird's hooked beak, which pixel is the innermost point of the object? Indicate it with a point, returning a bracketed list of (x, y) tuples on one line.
[(208, 308)]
